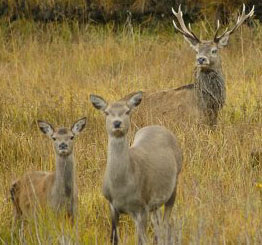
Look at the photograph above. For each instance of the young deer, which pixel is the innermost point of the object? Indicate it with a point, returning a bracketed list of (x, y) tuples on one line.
[(140, 178), (201, 100), (56, 189)]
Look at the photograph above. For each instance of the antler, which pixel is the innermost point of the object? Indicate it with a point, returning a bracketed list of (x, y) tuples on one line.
[(187, 33), (240, 21)]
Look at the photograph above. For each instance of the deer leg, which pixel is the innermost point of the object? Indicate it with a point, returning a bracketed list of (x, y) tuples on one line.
[(157, 223), (71, 209), (212, 115), (70, 218), (168, 209), (114, 219), (16, 222), (17, 217), (141, 223), (21, 231)]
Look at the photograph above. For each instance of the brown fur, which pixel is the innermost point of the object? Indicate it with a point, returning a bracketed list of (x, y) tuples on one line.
[(202, 100), (179, 104), (199, 102), (62, 131), (35, 190), (140, 178), (30, 191)]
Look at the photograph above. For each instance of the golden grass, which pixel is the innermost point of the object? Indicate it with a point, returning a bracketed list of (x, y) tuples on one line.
[(48, 72)]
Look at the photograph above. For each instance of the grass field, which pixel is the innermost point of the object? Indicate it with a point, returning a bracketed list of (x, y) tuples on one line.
[(47, 72)]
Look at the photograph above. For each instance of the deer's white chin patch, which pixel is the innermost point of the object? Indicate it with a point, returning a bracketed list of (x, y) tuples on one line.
[(118, 132), (63, 152)]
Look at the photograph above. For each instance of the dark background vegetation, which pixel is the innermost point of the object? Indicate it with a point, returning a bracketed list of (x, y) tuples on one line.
[(118, 11)]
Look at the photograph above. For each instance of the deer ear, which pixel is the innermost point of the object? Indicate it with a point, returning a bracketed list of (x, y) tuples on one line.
[(45, 127), (135, 100), (223, 41), (98, 102), (78, 126)]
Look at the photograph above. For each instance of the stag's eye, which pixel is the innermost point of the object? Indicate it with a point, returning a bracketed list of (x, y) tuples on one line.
[(72, 137), (106, 113), (214, 51), (54, 138), (128, 112)]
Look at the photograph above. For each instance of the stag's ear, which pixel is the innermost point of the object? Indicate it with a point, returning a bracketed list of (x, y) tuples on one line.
[(135, 100), (98, 102), (223, 41), (78, 126), (45, 127)]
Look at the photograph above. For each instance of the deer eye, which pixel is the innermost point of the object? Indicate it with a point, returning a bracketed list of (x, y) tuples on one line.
[(72, 137), (54, 138), (128, 112), (106, 113), (214, 51)]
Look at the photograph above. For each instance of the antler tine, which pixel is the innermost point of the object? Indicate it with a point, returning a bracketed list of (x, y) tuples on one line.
[(216, 38), (218, 27), (240, 21), (178, 29), (189, 26), (183, 30), (242, 18)]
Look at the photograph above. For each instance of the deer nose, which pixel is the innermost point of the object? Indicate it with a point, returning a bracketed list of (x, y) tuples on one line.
[(201, 60), (117, 124), (63, 146)]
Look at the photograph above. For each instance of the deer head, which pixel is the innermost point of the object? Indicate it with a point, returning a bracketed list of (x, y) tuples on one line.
[(117, 113), (62, 137), (207, 51)]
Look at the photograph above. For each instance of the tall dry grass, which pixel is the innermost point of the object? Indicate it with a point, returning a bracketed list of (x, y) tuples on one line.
[(47, 72)]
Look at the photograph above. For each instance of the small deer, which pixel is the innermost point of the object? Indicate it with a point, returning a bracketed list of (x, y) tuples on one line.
[(140, 178), (203, 99), (56, 189)]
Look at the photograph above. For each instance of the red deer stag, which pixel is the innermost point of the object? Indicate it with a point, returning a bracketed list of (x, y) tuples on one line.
[(202, 100)]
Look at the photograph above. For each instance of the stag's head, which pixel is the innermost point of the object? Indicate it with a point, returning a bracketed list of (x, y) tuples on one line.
[(208, 51)]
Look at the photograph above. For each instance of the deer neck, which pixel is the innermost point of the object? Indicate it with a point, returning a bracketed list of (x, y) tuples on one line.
[(118, 168), (210, 87), (64, 177), (206, 77)]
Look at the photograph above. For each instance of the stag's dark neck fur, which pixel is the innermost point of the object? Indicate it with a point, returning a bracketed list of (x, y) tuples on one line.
[(210, 87)]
